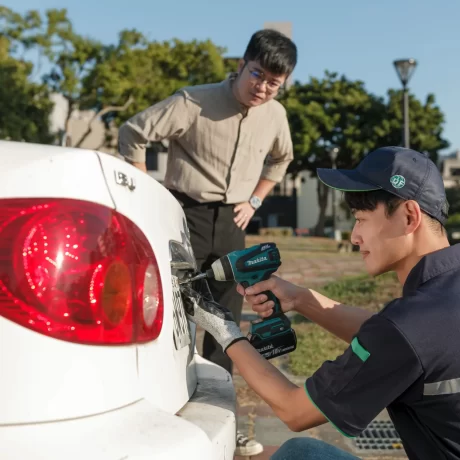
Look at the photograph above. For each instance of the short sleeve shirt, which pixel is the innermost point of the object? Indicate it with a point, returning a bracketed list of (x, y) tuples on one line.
[(405, 359)]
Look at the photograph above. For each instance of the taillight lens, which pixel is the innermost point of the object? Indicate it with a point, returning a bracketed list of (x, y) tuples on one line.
[(78, 271)]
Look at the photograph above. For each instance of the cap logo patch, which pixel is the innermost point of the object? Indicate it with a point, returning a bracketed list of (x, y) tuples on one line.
[(398, 181)]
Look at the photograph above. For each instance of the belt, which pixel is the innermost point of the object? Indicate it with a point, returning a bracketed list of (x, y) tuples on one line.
[(188, 202)]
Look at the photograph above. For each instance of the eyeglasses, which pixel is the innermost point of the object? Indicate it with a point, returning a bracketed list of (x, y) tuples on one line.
[(259, 76)]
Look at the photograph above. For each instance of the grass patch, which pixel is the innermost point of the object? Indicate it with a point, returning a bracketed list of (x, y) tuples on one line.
[(292, 244), (364, 291), (314, 344)]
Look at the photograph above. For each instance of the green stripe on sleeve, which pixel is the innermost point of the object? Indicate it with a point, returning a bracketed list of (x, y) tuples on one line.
[(336, 427), (359, 350)]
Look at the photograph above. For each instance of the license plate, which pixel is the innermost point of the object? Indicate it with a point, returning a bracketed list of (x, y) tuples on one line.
[(181, 329)]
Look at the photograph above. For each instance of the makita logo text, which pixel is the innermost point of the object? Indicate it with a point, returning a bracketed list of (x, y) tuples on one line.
[(255, 261), (268, 347)]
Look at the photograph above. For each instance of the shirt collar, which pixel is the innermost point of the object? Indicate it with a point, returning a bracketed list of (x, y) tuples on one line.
[(432, 265)]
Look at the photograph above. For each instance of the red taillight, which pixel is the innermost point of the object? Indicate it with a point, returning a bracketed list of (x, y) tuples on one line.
[(78, 271)]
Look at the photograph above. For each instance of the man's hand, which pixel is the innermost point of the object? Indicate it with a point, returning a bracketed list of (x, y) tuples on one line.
[(344, 321), (244, 212), (141, 166), (287, 293), (208, 314)]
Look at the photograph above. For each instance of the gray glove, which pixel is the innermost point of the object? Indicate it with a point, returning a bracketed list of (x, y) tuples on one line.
[(205, 312)]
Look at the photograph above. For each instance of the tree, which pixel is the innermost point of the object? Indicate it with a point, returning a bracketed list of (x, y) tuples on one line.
[(116, 81), (69, 55), (426, 122), (328, 113), (25, 107), (146, 72), (334, 112)]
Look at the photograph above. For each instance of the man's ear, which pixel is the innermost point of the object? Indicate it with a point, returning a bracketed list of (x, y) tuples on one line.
[(241, 64), (413, 215)]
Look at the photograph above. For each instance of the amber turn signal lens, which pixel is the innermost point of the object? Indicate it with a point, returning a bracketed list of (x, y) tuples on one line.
[(117, 293)]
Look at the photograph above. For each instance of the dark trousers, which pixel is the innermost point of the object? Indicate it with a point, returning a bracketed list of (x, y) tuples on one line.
[(213, 234)]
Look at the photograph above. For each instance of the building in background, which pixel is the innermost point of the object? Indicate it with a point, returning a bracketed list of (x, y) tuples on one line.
[(450, 169), (85, 131)]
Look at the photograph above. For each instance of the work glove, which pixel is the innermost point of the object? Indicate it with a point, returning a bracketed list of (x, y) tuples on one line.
[(205, 312)]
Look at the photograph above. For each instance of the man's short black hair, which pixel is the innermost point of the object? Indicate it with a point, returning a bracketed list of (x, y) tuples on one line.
[(275, 52), (368, 201)]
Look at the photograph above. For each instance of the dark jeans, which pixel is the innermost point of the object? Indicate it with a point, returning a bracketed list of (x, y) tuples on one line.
[(310, 449), (213, 234)]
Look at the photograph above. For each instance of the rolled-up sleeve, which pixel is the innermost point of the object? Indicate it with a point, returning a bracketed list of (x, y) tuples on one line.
[(374, 371), (167, 119), (281, 155)]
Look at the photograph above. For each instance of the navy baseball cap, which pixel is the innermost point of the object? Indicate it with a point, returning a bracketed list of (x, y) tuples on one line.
[(406, 173)]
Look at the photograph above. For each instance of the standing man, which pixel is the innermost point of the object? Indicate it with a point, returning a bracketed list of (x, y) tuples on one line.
[(229, 144)]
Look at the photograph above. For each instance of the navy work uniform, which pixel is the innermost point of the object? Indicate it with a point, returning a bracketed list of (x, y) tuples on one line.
[(406, 358)]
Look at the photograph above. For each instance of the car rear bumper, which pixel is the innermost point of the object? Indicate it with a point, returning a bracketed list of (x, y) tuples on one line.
[(213, 407), (205, 428)]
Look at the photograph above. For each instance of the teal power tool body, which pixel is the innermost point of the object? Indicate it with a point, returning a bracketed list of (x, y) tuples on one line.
[(272, 336)]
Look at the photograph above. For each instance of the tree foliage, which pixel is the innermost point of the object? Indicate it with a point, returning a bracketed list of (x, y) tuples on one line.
[(117, 80), (426, 122), (69, 55), (334, 112), (25, 107), (147, 71)]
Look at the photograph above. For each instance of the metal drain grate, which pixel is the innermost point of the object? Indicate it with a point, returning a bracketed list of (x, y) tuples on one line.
[(379, 435)]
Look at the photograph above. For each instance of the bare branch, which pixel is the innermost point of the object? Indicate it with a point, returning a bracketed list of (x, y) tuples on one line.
[(101, 113)]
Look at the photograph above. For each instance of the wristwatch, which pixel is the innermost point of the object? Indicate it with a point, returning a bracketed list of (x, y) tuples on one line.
[(255, 202)]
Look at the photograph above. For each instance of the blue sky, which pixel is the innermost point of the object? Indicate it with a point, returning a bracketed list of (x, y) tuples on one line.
[(359, 38)]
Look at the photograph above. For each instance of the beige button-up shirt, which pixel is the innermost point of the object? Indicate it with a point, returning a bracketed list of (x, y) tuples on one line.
[(218, 150)]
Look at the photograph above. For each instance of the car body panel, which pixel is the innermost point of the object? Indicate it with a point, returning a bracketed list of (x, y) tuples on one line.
[(156, 400), (157, 213), (43, 379), (30, 170), (137, 431)]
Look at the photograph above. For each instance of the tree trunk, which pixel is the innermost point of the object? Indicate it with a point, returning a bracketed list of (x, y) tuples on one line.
[(100, 114), (323, 194), (65, 138)]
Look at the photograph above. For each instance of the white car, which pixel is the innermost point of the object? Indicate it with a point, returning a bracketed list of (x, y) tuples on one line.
[(97, 358)]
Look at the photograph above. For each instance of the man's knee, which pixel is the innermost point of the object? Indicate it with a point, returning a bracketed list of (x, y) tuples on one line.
[(310, 449), (293, 449)]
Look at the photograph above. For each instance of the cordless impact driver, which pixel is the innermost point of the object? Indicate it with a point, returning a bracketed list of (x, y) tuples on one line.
[(271, 336)]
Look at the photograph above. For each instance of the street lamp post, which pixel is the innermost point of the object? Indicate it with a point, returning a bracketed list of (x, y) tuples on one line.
[(405, 68), (333, 153)]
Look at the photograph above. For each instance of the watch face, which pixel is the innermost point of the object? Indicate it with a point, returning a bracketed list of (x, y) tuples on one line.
[(255, 202)]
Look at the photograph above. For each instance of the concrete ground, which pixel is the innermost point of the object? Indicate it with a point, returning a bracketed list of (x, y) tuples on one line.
[(255, 417)]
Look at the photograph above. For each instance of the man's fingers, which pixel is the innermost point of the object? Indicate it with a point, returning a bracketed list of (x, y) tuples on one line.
[(237, 208), (241, 220), (239, 217), (256, 299), (266, 285), (267, 313), (240, 289), (263, 307)]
